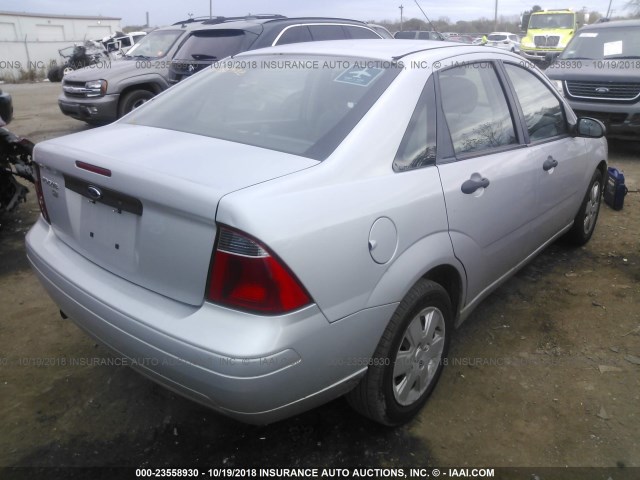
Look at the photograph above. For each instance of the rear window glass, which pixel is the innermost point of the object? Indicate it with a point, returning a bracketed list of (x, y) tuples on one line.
[(300, 105), (497, 38), (405, 35), (214, 44)]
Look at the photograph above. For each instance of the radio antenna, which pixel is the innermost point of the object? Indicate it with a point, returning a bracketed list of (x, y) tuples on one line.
[(425, 16)]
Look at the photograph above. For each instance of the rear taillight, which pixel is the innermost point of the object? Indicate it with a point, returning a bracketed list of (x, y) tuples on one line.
[(245, 275), (38, 184)]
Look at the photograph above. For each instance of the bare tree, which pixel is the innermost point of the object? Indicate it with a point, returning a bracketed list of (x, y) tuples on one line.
[(634, 6)]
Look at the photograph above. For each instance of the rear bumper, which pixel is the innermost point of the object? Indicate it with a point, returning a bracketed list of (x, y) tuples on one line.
[(255, 369), (97, 111)]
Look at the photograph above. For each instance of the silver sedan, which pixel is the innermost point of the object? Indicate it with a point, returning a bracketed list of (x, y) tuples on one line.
[(312, 220)]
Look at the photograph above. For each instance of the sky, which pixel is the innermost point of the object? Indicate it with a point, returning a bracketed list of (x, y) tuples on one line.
[(165, 12)]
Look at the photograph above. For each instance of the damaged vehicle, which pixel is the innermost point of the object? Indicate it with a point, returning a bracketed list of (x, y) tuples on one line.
[(312, 220), (77, 57), (15, 160)]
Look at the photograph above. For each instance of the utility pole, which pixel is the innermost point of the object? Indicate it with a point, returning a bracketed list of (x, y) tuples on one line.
[(609, 9), (210, 9), (495, 18), (401, 7)]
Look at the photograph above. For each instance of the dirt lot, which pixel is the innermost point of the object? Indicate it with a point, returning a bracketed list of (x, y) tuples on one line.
[(545, 373)]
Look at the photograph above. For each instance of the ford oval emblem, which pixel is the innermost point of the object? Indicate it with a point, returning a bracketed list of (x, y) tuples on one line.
[(602, 90), (94, 192)]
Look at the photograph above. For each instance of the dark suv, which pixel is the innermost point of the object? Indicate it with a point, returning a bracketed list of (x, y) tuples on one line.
[(599, 74), (100, 94), (219, 38)]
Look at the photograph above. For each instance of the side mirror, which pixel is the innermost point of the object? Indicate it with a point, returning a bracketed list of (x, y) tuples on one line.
[(590, 128)]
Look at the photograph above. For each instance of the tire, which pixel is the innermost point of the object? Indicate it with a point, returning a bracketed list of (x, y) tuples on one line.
[(133, 100), (585, 221), (408, 361)]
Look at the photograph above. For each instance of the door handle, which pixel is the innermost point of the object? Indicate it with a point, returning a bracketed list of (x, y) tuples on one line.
[(549, 163), (474, 184)]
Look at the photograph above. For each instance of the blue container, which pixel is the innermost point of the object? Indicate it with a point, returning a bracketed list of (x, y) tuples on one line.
[(615, 189)]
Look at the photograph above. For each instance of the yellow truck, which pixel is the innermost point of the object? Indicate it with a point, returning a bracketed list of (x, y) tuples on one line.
[(548, 32)]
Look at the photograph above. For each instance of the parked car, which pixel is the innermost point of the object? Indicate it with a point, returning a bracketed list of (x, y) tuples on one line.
[(77, 57), (504, 40), (599, 74), (6, 108), (313, 219), (548, 32), (461, 39), (418, 35), (118, 45), (214, 41), (102, 95)]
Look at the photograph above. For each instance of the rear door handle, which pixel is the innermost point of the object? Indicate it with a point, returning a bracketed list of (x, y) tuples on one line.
[(549, 163), (474, 184)]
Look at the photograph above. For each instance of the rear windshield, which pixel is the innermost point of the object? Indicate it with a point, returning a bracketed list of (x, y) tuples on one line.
[(155, 45), (300, 105), (405, 35), (214, 44), (598, 44), (496, 38)]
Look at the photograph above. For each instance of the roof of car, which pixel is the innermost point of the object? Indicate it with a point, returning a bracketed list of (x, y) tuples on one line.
[(382, 49), (250, 23), (613, 24)]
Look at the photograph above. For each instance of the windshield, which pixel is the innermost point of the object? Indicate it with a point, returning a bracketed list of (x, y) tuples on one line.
[(551, 20), (304, 105), (620, 42), (214, 44), (155, 45)]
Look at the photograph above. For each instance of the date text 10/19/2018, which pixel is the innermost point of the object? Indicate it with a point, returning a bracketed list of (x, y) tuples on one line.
[(317, 473)]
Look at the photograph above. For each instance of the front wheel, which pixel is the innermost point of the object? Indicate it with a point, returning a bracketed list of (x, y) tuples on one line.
[(585, 221), (409, 358), (133, 100)]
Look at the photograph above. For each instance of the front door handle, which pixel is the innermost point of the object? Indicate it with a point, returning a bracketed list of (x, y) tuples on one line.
[(549, 163), (474, 183)]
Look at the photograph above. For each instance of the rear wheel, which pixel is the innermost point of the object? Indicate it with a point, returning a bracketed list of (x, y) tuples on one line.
[(408, 360), (585, 221), (133, 100)]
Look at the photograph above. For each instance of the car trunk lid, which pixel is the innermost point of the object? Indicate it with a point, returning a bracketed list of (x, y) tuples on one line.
[(141, 201)]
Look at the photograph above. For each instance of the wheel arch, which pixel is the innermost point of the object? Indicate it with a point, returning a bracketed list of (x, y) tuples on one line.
[(449, 278), (432, 258), (149, 86)]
